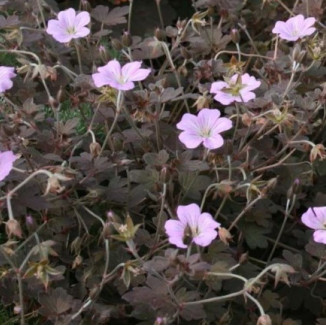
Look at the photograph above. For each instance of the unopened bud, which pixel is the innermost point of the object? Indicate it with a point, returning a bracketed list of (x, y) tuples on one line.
[(85, 5), (103, 53), (294, 189), (126, 39), (183, 71), (264, 320), (116, 44), (13, 228), (53, 102), (59, 96), (243, 258), (225, 235), (235, 35), (160, 34), (185, 53), (298, 54), (17, 310), (77, 261), (95, 149), (164, 175), (317, 151)]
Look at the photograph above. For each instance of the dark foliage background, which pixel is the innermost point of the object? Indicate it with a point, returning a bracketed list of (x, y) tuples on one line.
[(66, 261)]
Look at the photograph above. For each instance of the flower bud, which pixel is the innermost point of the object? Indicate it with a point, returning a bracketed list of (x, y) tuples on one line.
[(164, 175), (185, 53), (17, 310), (77, 261), (298, 54), (264, 320), (294, 189), (13, 228), (225, 236), (116, 44), (126, 39), (235, 35), (103, 53), (160, 34), (95, 149), (243, 258), (317, 151), (202, 102), (85, 5)]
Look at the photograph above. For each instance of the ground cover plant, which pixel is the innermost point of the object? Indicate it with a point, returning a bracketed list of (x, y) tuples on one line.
[(170, 176)]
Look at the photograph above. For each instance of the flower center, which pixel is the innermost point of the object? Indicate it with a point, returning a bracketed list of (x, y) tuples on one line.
[(206, 132), (71, 30), (233, 89), (189, 234), (121, 80)]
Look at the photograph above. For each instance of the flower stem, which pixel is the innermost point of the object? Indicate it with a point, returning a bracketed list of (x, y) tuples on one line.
[(78, 57), (288, 209), (117, 114)]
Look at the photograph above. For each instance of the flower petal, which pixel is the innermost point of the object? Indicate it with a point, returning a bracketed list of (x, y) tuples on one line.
[(6, 163), (315, 217), (175, 231), (189, 214), (213, 142), (320, 236), (82, 19), (205, 239), (217, 86), (190, 139), (67, 17)]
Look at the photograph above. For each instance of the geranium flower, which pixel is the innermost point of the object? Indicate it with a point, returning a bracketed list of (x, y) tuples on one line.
[(204, 128), (6, 162), (315, 218), (69, 26), (120, 78), (237, 89), (192, 226), (6, 73), (295, 28)]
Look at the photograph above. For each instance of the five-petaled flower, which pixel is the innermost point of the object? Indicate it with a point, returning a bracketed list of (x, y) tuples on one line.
[(69, 26), (192, 226), (295, 28), (6, 162), (120, 78), (6, 73), (204, 128), (236, 89), (315, 218)]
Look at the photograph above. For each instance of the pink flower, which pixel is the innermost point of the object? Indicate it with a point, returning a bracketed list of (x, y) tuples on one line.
[(6, 162), (192, 225), (69, 26), (237, 89), (6, 73), (204, 128), (120, 78), (295, 28), (315, 218)]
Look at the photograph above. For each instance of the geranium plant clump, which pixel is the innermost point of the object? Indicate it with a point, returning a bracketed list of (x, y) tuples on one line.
[(166, 171)]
